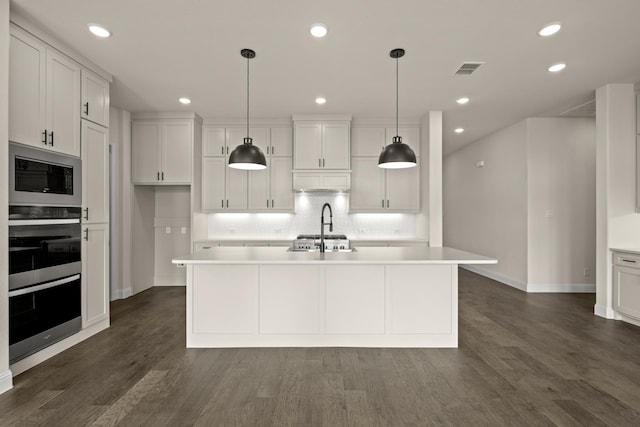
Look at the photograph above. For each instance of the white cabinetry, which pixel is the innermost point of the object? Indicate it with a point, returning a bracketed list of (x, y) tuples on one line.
[(369, 141), (95, 98), (162, 151), (95, 273), (321, 144), (231, 190), (374, 189), (44, 94), (95, 181), (626, 284)]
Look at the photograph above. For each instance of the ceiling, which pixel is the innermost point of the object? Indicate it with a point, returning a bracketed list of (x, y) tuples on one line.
[(161, 50)]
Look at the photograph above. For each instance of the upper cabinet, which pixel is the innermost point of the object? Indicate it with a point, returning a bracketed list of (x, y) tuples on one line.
[(219, 141), (162, 150), (371, 140), (95, 98), (44, 94), (321, 143), (95, 174)]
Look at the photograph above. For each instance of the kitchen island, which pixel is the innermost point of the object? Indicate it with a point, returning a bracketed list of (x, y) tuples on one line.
[(372, 297)]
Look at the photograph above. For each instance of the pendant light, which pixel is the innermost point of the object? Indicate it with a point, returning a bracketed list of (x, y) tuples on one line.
[(397, 155), (246, 155)]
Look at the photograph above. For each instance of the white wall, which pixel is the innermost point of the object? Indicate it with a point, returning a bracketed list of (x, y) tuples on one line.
[(561, 204), (172, 233), (618, 224), (5, 374), (485, 208)]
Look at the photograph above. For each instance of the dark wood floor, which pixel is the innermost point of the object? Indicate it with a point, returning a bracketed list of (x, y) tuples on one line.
[(524, 359)]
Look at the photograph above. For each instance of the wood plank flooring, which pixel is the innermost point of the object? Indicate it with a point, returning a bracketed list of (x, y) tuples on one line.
[(524, 359)]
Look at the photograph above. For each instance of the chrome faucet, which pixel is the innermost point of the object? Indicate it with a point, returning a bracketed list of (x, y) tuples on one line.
[(322, 224)]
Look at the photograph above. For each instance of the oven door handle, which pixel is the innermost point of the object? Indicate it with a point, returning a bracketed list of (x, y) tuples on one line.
[(14, 222), (44, 286)]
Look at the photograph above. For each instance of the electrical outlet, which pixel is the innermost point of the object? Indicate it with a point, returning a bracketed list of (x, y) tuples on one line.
[(167, 230), (587, 272)]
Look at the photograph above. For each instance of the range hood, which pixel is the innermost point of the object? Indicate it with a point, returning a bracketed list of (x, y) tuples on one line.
[(312, 181)]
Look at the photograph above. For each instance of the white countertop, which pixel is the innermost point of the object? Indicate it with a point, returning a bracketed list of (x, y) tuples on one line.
[(626, 250), (363, 255)]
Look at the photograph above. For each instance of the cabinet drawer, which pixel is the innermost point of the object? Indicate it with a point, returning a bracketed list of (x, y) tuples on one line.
[(626, 260), (626, 291)]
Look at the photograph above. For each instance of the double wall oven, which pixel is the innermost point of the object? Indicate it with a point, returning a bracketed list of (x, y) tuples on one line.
[(44, 249)]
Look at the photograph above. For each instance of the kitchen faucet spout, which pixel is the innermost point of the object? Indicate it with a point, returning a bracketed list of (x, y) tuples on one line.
[(322, 224)]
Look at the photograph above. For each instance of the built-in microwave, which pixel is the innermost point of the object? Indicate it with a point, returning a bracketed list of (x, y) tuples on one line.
[(42, 177)]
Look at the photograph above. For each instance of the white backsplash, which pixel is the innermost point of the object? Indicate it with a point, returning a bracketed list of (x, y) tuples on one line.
[(306, 220)]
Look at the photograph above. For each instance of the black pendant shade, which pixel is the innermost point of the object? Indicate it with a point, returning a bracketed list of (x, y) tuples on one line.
[(397, 155), (246, 155)]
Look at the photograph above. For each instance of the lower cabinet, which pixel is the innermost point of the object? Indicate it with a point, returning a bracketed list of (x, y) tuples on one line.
[(626, 284), (95, 273)]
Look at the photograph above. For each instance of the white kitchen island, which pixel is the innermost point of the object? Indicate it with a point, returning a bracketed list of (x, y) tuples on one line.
[(374, 297)]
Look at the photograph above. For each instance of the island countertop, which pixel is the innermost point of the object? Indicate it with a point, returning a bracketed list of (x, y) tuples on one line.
[(362, 255)]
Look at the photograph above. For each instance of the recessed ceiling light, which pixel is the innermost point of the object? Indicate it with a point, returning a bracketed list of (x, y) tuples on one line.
[(184, 101), (320, 100), (318, 30), (557, 67), (550, 29), (99, 30), (462, 100), (458, 130)]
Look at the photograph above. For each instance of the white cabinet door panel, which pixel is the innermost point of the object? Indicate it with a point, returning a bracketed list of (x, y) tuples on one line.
[(221, 308), (213, 183), (95, 183), (281, 142), (95, 98), (281, 183), (626, 291), (403, 188), (259, 197), (336, 150), (145, 146), (421, 299), (95, 273), (367, 184), (176, 152), (369, 141), (27, 71), (308, 146), (287, 305), (236, 188), (63, 107), (213, 141), (355, 299)]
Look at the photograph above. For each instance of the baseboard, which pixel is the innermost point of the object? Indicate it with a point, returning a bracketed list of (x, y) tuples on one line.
[(170, 280), (629, 320), (562, 288), (121, 294), (604, 311), (47, 353), (6, 381), (170, 284), (496, 276)]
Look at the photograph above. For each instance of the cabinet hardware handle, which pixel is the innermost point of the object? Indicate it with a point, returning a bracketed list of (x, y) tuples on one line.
[(383, 203), (267, 149), (267, 202), (387, 203), (86, 108), (44, 137), (273, 150), (322, 162), (86, 234), (222, 203), (227, 149), (227, 202), (163, 176), (52, 138), (222, 150), (86, 213), (271, 202), (632, 261), (319, 163), (158, 177)]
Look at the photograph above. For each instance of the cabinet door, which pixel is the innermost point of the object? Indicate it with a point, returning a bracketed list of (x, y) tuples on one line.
[(27, 70), (281, 183), (95, 173), (176, 155), (367, 185), (281, 142), (63, 108), (235, 137), (145, 143), (335, 148), (259, 197), (626, 291), (261, 139), (236, 188), (307, 146), (95, 98), (403, 188), (213, 141), (213, 183), (410, 136), (368, 141), (95, 274)]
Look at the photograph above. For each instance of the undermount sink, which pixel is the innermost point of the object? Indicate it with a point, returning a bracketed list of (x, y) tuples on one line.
[(318, 250)]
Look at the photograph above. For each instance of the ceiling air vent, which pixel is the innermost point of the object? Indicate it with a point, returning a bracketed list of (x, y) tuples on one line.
[(468, 68)]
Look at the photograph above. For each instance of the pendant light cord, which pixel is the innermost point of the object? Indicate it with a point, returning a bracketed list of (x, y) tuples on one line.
[(247, 97), (397, 91)]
